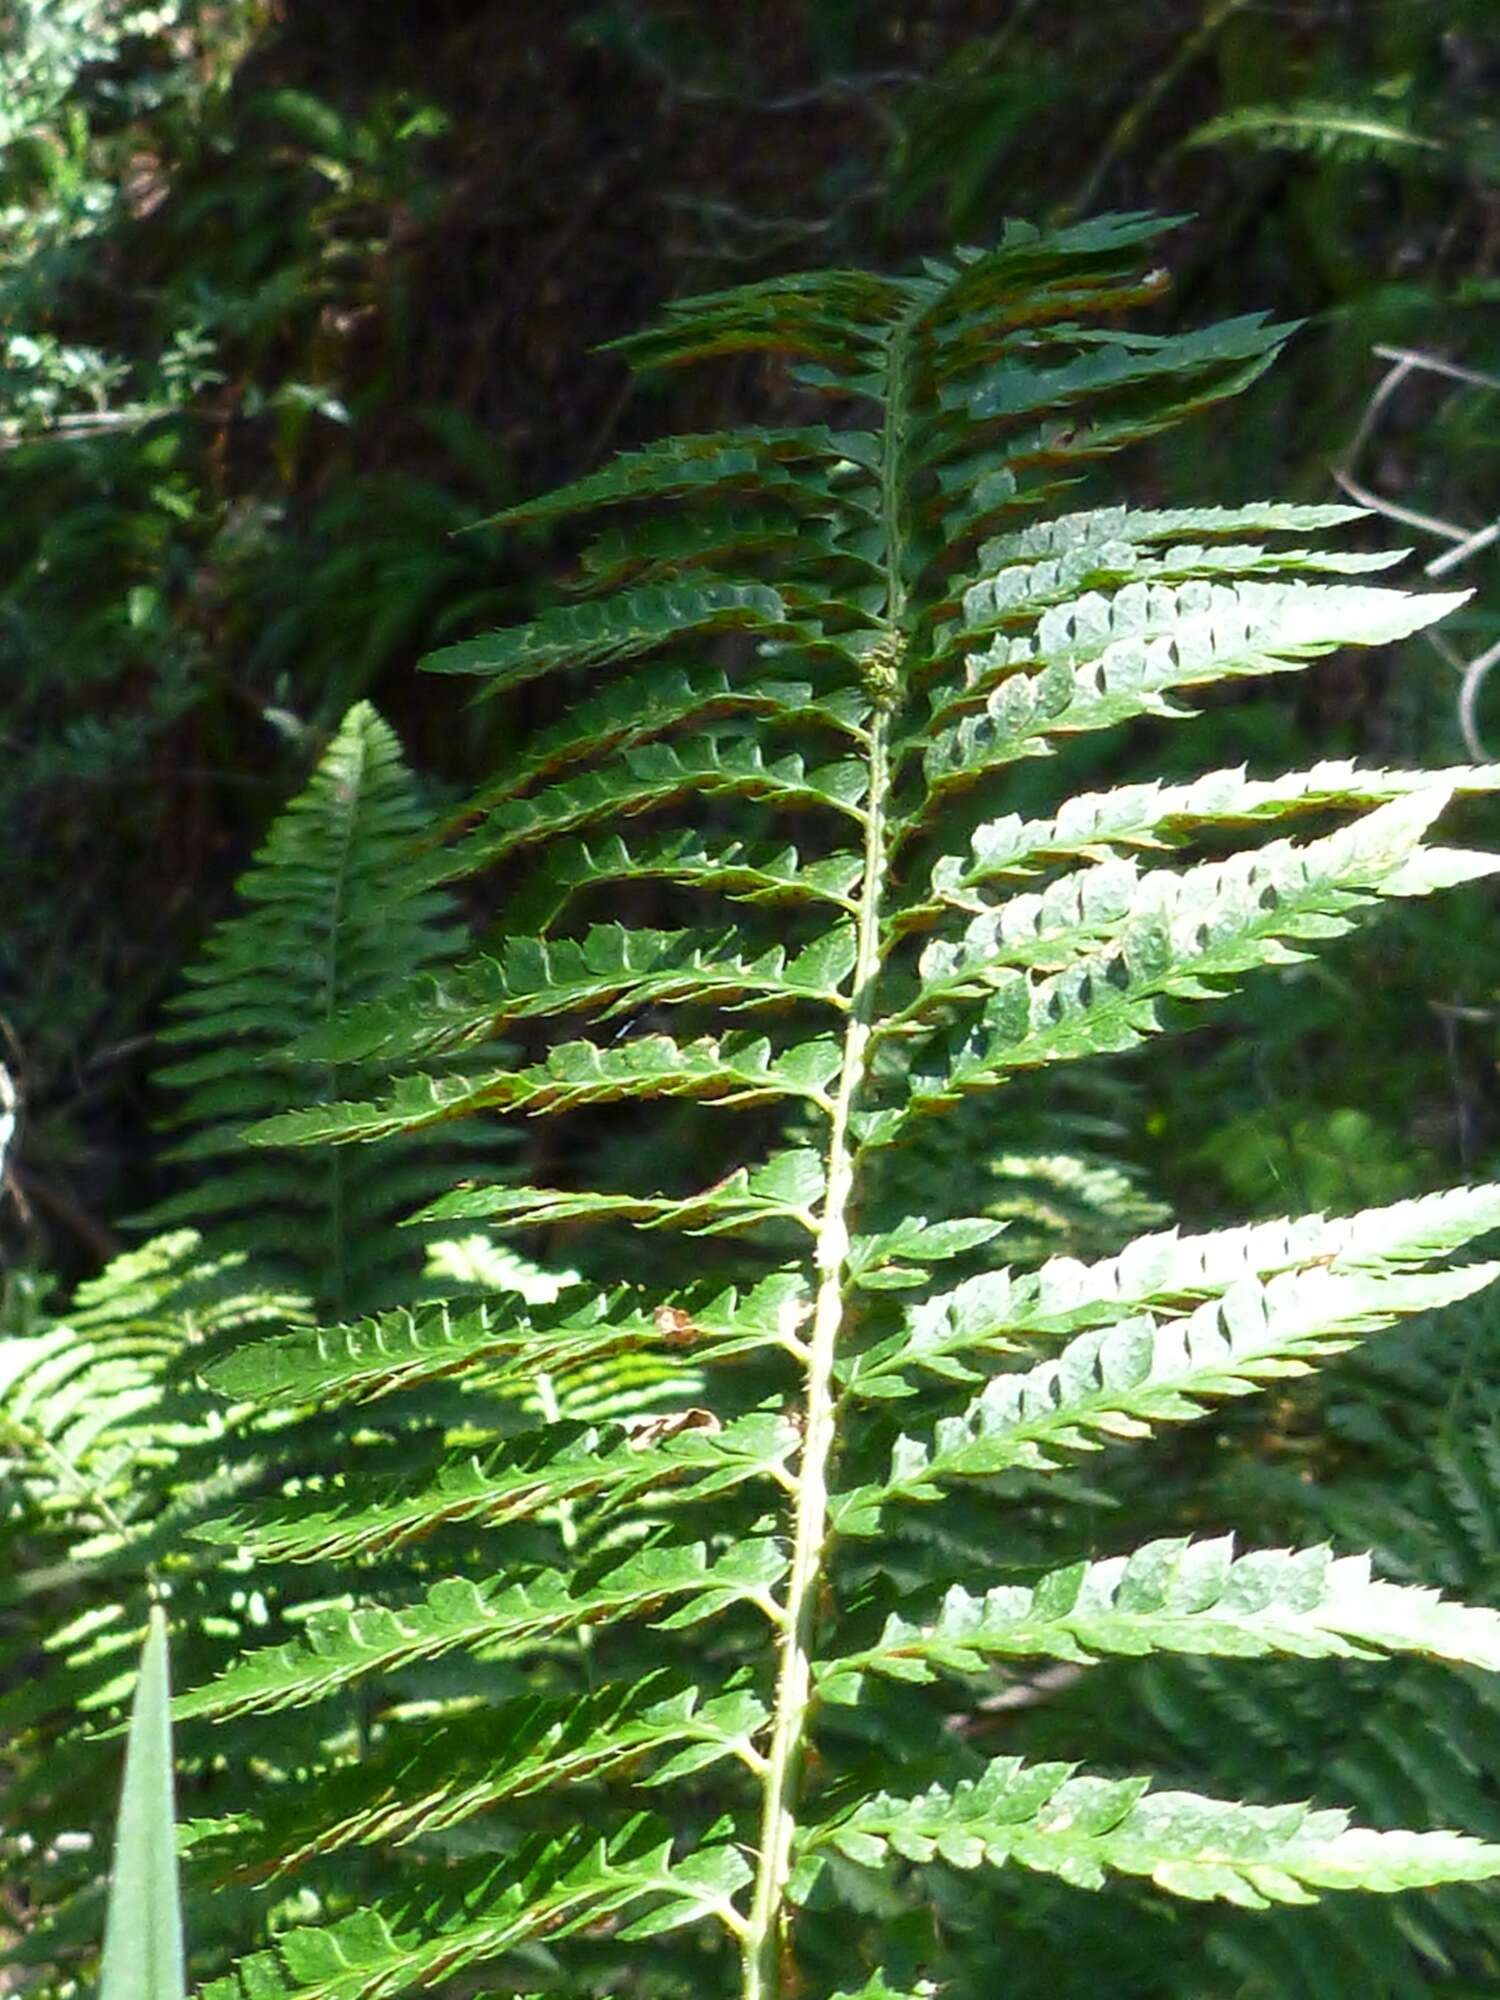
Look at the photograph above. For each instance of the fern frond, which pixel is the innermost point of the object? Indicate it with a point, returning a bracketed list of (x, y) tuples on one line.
[(625, 713), (787, 1187), (340, 906), (1108, 661), (550, 1890), (764, 875), (1003, 1313), (1178, 936), (1332, 130), (741, 1068), (561, 1466), (497, 1620), (759, 1468), (404, 1350), (1121, 1383), (426, 1779), (685, 466), (1093, 824), (590, 635), (1041, 1816), (1177, 1597), (610, 970), (643, 779)]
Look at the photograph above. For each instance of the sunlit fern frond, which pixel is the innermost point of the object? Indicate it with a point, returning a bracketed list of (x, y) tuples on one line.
[(745, 1641)]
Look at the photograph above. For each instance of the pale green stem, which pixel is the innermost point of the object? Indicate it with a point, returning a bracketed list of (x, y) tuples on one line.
[(765, 1937), (794, 1683)]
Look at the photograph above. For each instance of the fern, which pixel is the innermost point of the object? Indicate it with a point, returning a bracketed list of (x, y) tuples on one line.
[(341, 906), (106, 1449), (731, 1655), (1395, 1453), (1326, 131)]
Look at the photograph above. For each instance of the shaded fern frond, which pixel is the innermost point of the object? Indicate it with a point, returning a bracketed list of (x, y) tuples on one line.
[(1328, 129), (341, 906)]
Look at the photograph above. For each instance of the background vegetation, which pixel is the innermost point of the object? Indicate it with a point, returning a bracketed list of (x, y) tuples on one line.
[(285, 302)]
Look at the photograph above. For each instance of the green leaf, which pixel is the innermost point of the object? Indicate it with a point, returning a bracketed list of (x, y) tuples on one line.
[(994, 483), (1121, 361), (740, 1069), (549, 1889), (616, 628), (405, 1350), (1321, 128), (496, 1620), (143, 1957), (718, 535), (1103, 660), (894, 1258), (428, 1776), (654, 775), (786, 1187), (766, 875), (1174, 935), (611, 969), (1042, 1817), (525, 1477), (633, 711), (1091, 825), (1178, 1596), (1057, 561), (1004, 1312), (1120, 1382), (690, 467)]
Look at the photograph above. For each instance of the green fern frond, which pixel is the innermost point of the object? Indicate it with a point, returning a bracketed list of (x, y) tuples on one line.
[(764, 875), (1177, 1597), (1153, 816), (1003, 1313), (551, 1890), (611, 970), (1128, 658), (787, 1187), (642, 780), (499, 1620), (562, 1466), (427, 1778), (404, 1350), (1327, 129), (589, 635), (1043, 1817), (759, 1454), (340, 907)]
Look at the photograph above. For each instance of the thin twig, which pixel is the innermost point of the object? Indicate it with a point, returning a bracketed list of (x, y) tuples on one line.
[(1434, 364), (1363, 496), (1451, 558), (1468, 700)]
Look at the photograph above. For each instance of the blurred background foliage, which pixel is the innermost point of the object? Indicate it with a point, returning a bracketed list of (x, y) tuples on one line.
[(287, 298)]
